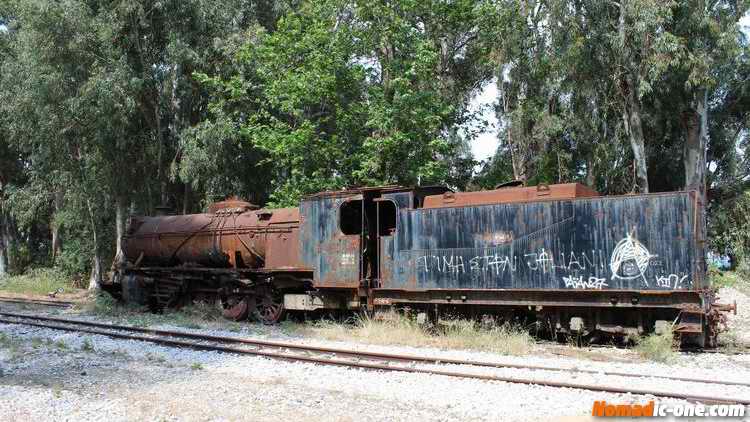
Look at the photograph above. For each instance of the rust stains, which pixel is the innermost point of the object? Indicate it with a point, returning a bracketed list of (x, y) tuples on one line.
[(510, 195)]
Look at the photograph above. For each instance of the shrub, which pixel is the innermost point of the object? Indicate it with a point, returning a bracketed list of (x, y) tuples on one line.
[(657, 347)]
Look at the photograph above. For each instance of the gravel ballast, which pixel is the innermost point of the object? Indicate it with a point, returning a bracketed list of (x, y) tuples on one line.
[(53, 375)]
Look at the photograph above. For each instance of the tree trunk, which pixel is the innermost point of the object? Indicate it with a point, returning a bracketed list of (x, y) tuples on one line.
[(186, 199), (119, 230), (517, 158), (160, 176), (732, 261), (632, 119), (96, 272), (517, 151), (56, 227), (631, 114), (590, 175), (696, 140), (6, 242), (96, 261), (3, 248)]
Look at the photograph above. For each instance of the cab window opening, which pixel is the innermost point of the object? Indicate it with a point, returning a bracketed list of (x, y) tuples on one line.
[(386, 218), (350, 217)]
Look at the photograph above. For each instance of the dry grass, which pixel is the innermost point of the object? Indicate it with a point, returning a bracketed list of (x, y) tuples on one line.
[(657, 347), (197, 315), (38, 281), (398, 329)]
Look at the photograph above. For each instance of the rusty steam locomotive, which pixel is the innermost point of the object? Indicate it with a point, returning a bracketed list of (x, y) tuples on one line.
[(571, 261)]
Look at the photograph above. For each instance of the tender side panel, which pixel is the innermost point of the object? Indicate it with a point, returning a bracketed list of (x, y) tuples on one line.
[(642, 242)]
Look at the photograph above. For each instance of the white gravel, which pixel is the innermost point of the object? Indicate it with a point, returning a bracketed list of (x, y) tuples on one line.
[(739, 325), (49, 375)]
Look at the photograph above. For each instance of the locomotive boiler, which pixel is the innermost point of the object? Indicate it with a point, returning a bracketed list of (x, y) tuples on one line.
[(561, 256)]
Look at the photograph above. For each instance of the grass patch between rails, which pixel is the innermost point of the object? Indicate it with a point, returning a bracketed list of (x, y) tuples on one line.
[(398, 329), (657, 347), (39, 281)]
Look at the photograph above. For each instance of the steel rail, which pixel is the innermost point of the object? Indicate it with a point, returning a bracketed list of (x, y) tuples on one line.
[(59, 303), (366, 354), (380, 366), (741, 350)]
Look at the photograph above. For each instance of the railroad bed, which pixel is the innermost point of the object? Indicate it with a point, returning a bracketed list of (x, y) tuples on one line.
[(680, 387)]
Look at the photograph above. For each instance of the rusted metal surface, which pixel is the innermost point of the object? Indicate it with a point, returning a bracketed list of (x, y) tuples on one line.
[(235, 310), (510, 195), (643, 242), (355, 191), (232, 203), (542, 298), (234, 235), (335, 256), (358, 362)]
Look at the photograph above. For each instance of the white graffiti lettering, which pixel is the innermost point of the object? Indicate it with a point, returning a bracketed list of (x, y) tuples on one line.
[(574, 260), (578, 282), (671, 281), (542, 260)]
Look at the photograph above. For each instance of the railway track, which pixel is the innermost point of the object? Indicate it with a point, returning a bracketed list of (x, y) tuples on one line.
[(43, 302), (352, 358), (742, 350)]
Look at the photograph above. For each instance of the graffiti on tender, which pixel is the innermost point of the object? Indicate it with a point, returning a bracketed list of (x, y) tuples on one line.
[(541, 260), (456, 264), (579, 282), (671, 281), (630, 260)]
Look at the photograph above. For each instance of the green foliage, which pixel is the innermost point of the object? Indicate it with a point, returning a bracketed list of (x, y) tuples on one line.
[(131, 105), (87, 345), (729, 230), (657, 347), (61, 345), (347, 94), (103, 304), (732, 279)]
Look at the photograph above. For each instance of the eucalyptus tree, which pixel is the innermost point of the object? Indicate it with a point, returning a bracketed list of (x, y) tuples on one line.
[(347, 93), (8, 162), (96, 98), (52, 96), (712, 45)]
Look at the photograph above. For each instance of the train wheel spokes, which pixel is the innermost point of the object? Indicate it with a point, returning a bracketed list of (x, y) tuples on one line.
[(269, 307), (234, 308)]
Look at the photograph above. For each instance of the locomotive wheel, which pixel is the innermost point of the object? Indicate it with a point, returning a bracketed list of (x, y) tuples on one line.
[(269, 306), (234, 308)]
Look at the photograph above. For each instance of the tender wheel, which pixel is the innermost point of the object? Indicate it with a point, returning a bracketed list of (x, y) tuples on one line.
[(269, 306), (234, 308)]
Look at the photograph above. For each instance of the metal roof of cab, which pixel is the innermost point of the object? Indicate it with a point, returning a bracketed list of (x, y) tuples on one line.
[(507, 195)]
